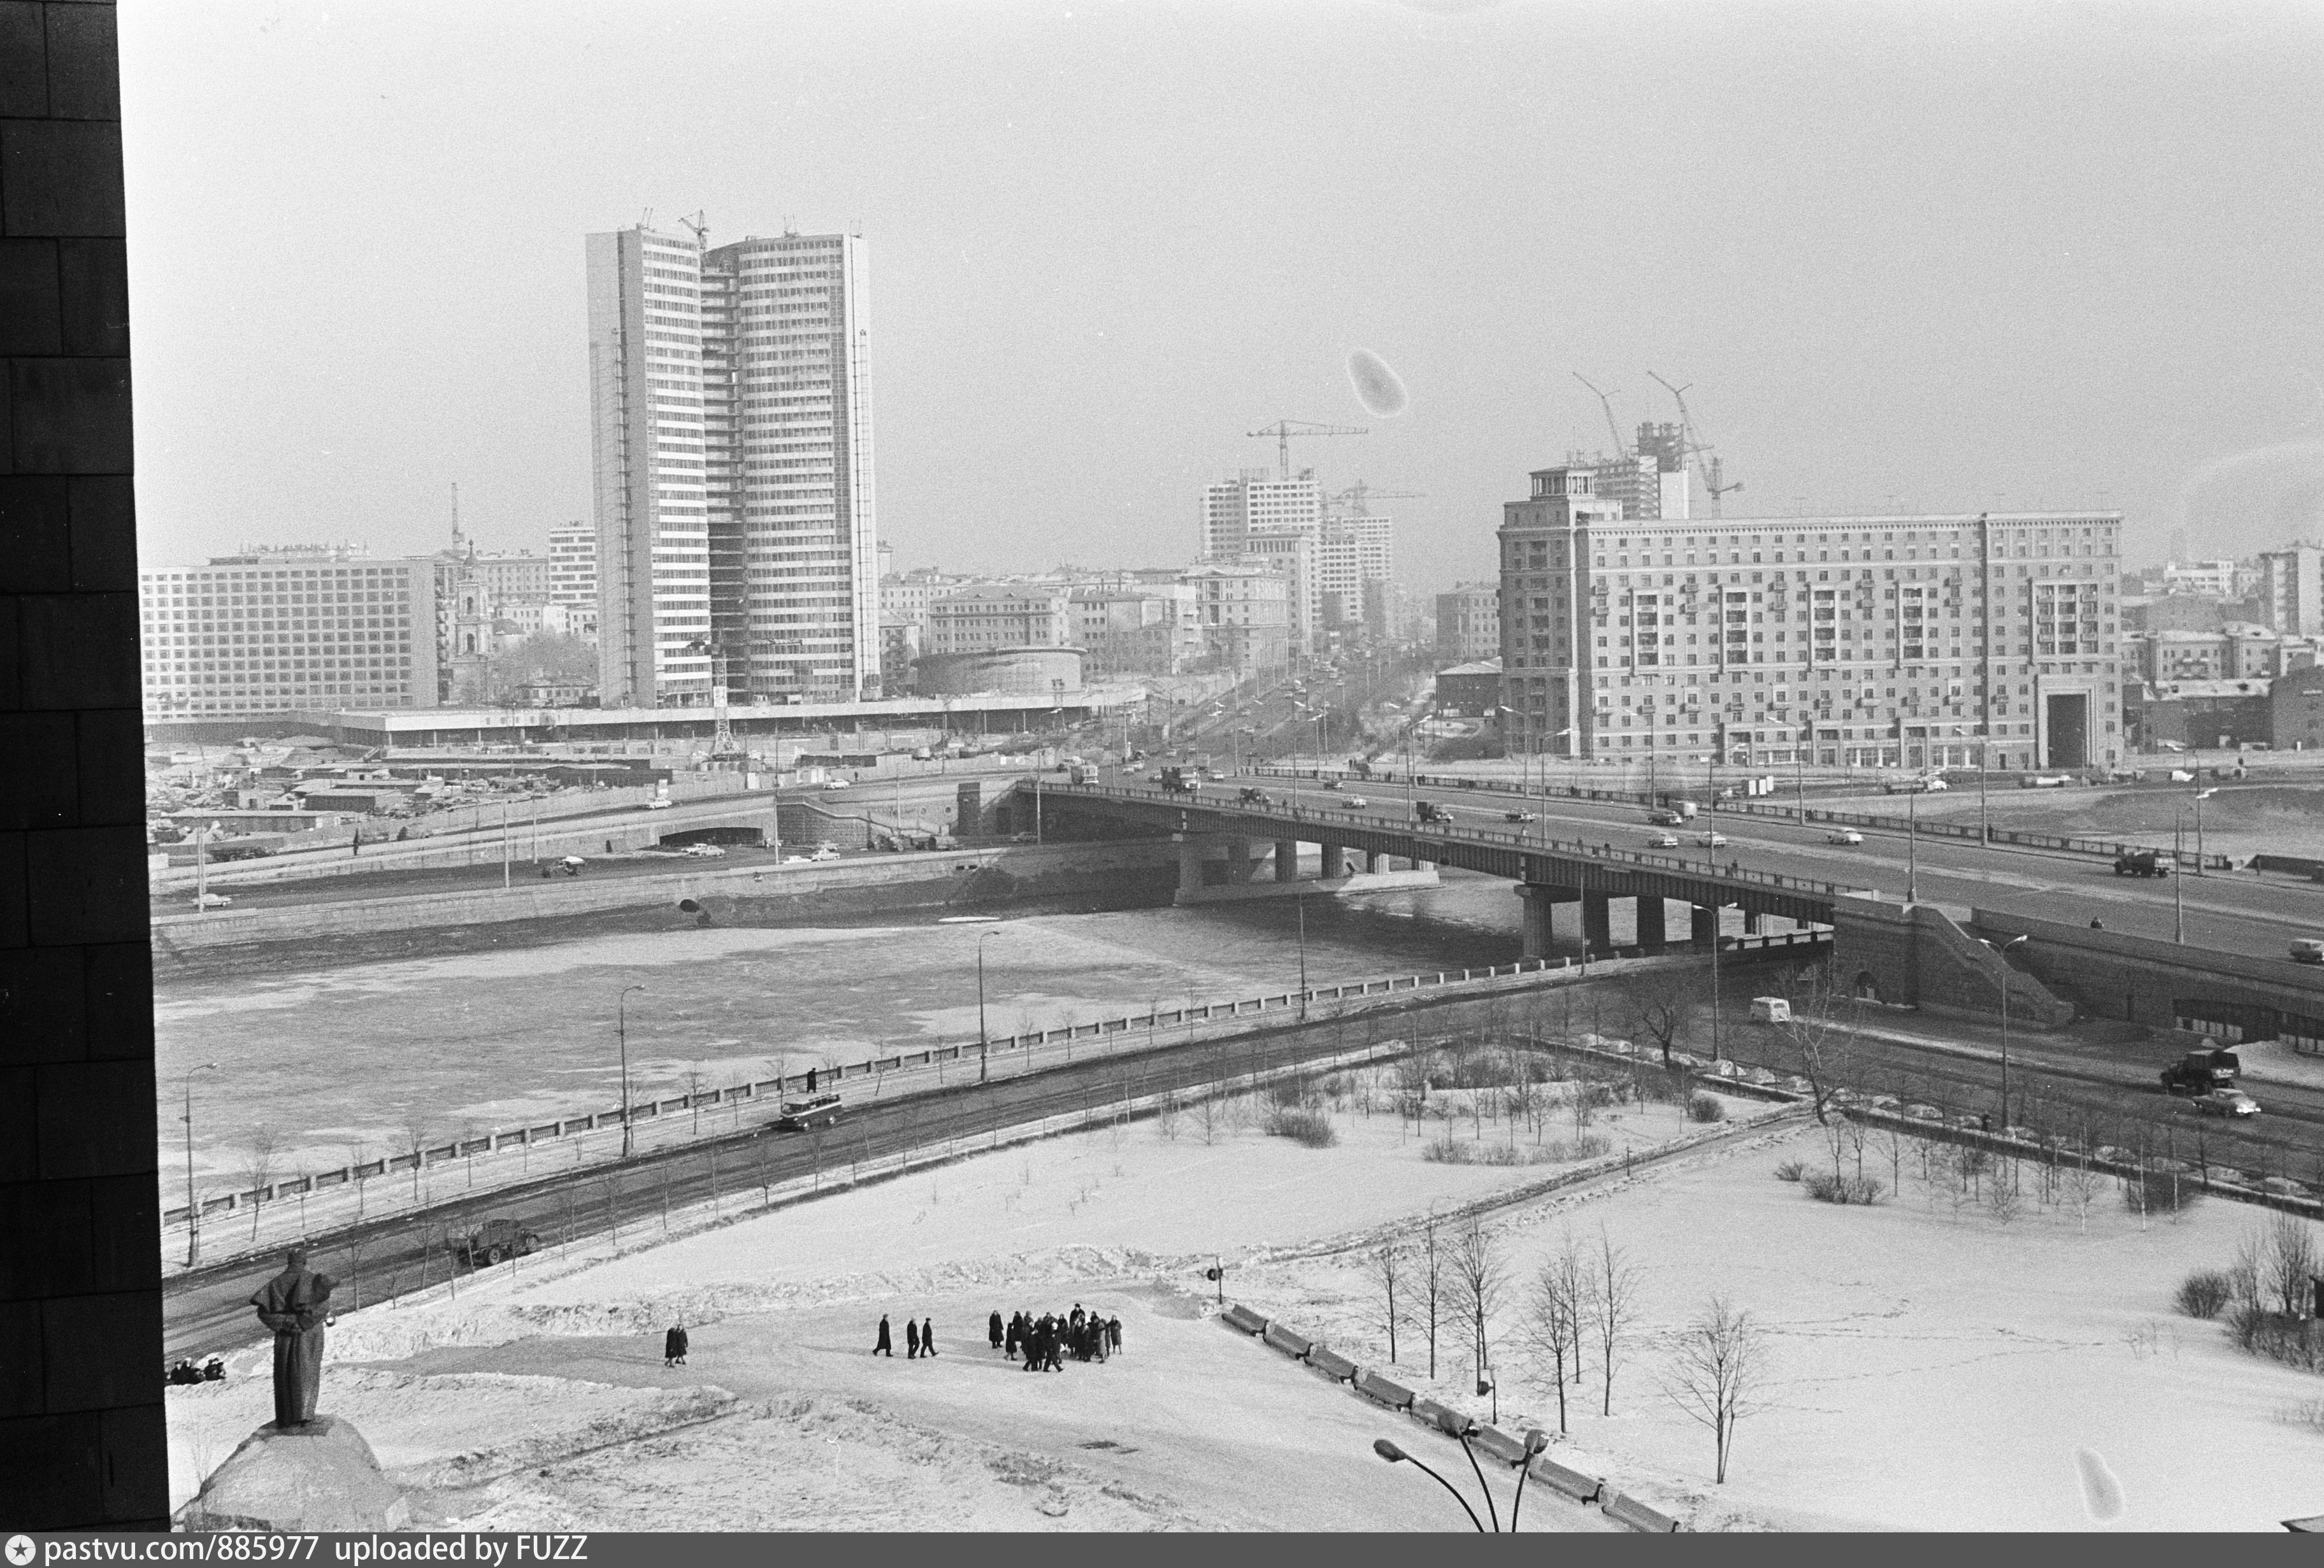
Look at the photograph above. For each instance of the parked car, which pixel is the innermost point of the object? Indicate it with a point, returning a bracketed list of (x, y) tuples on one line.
[(1662, 840), (705, 851), (2182, 776), (654, 806), (1711, 841), (824, 852), (833, 783), (2044, 781), (2306, 952), (1843, 836), (2225, 1103), (1330, 783)]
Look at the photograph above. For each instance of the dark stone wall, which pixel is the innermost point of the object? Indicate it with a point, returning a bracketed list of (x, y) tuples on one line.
[(1918, 957), (81, 1434)]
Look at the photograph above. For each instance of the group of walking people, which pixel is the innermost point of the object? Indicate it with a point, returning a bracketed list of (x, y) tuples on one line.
[(919, 1339), (1046, 1340)]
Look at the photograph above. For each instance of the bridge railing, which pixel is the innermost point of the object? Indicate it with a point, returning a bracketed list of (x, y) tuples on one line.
[(1447, 832)]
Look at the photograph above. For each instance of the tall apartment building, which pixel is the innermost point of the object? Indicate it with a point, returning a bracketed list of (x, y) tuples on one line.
[(573, 576), (1254, 500), (2292, 590), (736, 539), (1914, 641), (1469, 623), (1295, 554), (281, 631)]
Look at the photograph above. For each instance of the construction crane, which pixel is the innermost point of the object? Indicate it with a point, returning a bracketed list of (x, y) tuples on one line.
[(1606, 402), (1360, 496), (1712, 469), (1283, 430)]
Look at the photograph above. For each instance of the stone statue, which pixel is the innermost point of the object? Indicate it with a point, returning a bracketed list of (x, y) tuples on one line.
[(291, 1303)]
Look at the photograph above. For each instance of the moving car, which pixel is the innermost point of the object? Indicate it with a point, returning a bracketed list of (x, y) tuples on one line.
[(211, 901), (2225, 1103), (815, 1111), (1667, 819), (833, 784), (2043, 781), (1711, 841), (825, 852), (1254, 797), (2181, 775), (1516, 816), (1843, 836), (1330, 783), (1354, 804), (705, 851), (1662, 840), (654, 806), (2306, 952), (496, 1240)]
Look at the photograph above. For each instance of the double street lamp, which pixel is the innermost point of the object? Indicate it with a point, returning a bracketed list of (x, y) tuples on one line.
[(622, 1031), (2179, 860), (193, 1198)]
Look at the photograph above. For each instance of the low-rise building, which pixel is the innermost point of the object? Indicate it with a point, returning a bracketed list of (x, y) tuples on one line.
[(2296, 711), (1244, 615), (1471, 691), (1469, 623), (980, 620), (2200, 715)]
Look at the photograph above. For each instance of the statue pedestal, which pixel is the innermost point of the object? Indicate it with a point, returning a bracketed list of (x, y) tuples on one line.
[(317, 1478)]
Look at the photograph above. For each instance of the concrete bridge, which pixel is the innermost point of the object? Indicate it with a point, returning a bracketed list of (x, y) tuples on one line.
[(1225, 844)]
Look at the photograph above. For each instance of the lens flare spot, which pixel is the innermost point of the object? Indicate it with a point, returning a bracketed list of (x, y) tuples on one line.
[(1377, 387)]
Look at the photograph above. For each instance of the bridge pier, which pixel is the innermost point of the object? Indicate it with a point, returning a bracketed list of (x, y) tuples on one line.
[(1287, 860), (1239, 861), (1334, 861), (1598, 922), (1540, 907), (1651, 933), (1190, 866)]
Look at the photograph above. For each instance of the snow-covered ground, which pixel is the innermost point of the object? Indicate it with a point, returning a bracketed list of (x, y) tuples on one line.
[(1929, 1367)]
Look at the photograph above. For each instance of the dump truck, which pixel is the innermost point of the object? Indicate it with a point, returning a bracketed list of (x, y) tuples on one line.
[(1430, 812), (2198, 1072), (494, 1242), (1179, 780)]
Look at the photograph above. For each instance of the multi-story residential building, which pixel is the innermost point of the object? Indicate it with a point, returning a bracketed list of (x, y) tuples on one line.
[(1141, 629), (2210, 579), (1253, 500), (2292, 590), (1245, 615), (1899, 641), (573, 576), (1294, 555), (980, 620), (279, 631), (731, 390), (1469, 623)]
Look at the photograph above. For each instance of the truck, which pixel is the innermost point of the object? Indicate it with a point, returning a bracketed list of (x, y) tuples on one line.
[(2144, 863), (2198, 1072), (1430, 812), (1179, 780), (1250, 795), (1082, 773), (496, 1240)]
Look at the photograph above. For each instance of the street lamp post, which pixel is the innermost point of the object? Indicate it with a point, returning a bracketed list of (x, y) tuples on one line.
[(984, 1039), (1303, 957), (1395, 1455), (622, 1032), (2179, 862), (1912, 843), (2001, 952), (193, 1199)]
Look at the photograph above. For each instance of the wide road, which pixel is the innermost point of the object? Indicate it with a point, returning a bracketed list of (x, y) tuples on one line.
[(2236, 911), (876, 799), (207, 1310)]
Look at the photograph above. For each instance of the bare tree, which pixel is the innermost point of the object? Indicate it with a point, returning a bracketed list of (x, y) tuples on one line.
[(1432, 1287), (261, 1148), (417, 1133), (1387, 1270), (1552, 1316), (2293, 1265), (1481, 1275), (1612, 1303), (1659, 1007), (1715, 1372)]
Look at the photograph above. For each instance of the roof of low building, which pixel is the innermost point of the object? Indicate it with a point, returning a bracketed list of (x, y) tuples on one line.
[(1480, 667)]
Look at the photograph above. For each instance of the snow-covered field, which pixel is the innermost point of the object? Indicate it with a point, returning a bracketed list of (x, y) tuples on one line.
[(1929, 1366)]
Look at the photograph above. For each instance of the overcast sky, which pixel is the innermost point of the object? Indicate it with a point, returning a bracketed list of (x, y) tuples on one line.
[(1930, 257)]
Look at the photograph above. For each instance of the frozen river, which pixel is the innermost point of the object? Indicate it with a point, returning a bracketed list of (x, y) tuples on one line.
[(345, 1058)]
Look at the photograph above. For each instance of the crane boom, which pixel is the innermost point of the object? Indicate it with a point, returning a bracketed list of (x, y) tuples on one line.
[(1359, 495), (1606, 402), (1283, 430), (1690, 443)]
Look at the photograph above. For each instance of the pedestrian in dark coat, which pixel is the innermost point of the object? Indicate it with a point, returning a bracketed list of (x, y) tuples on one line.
[(1113, 1333), (911, 1340), (810, 1089), (992, 1330), (673, 1345), (928, 1336), (887, 1346)]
